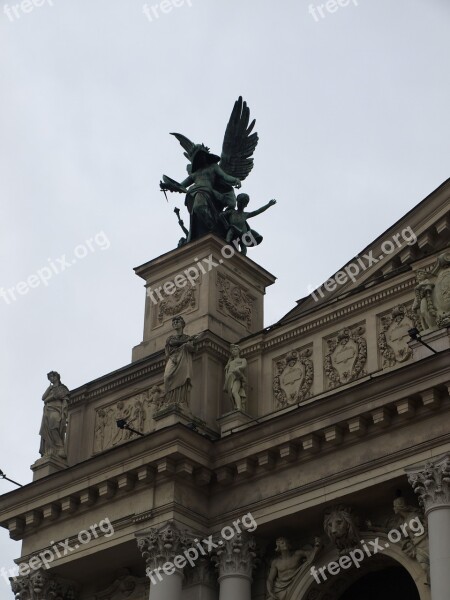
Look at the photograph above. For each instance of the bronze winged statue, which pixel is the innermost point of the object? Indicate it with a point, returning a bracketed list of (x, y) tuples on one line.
[(209, 187)]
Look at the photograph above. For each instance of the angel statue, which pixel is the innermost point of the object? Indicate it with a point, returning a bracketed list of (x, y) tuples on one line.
[(211, 178)]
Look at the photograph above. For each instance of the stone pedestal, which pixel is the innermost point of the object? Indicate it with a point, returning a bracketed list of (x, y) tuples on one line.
[(214, 287), (232, 420), (432, 485), (47, 465)]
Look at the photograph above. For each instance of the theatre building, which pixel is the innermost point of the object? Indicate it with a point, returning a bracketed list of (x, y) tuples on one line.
[(309, 460)]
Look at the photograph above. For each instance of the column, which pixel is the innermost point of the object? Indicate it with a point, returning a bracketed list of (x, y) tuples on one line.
[(432, 485), (235, 560), (163, 548), (41, 584)]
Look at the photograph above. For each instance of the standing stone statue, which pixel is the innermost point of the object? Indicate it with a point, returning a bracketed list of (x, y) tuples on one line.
[(423, 305), (178, 372), (236, 378), (287, 566), (54, 419)]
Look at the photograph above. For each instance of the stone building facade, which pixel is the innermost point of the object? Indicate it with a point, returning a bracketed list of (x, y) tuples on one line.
[(332, 484)]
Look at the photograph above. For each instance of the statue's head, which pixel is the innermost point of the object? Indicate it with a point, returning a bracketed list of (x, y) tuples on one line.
[(242, 200), (282, 543), (178, 323), (339, 525), (201, 157), (234, 350), (54, 377)]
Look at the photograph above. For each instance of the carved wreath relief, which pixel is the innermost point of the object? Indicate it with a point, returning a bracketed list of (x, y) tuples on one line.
[(393, 338), (294, 377), (234, 301), (347, 356), (180, 301), (137, 411)]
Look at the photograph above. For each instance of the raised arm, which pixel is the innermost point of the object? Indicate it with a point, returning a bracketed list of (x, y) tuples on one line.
[(227, 178), (249, 215)]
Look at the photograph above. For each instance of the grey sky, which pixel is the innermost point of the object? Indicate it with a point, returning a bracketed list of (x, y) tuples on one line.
[(352, 113)]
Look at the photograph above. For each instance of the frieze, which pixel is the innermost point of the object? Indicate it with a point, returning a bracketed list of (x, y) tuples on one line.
[(138, 411)]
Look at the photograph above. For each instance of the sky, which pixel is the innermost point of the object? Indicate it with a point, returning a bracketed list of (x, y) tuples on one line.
[(351, 105)]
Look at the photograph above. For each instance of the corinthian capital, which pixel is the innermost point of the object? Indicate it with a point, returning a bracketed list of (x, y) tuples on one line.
[(40, 585), (162, 545), (236, 556), (432, 483)]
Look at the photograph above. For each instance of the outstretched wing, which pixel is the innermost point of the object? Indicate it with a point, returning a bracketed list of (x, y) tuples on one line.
[(239, 142), (186, 144)]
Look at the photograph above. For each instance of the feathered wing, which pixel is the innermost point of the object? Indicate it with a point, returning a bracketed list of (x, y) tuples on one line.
[(239, 142), (186, 144)]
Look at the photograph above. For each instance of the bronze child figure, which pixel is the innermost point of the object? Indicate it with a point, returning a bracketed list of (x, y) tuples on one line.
[(237, 226)]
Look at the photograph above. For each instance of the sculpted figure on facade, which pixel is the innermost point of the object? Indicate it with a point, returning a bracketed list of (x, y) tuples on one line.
[(294, 377), (423, 305), (54, 419), (178, 371), (347, 356), (236, 378), (285, 568), (341, 528), (416, 545), (432, 302), (211, 178)]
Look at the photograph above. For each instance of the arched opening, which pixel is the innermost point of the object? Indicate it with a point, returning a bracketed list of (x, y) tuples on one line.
[(391, 583)]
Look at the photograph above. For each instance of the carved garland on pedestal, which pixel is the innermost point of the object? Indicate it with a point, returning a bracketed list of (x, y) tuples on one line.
[(347, 356), (294, 377), (173, 305), (234, 300), (393, 338)]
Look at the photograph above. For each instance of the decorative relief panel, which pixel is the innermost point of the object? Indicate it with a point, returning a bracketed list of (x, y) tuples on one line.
[(393, 338), (294, 375), (182, 301), (234, 300), (137, 411), (432, 303), (347, 356)]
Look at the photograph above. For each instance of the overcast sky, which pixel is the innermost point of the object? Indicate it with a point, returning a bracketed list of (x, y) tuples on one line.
[(352, 111)]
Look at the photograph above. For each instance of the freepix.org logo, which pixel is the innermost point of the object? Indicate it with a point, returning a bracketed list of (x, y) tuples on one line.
[(203, 547)]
